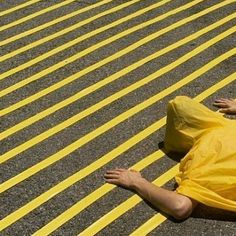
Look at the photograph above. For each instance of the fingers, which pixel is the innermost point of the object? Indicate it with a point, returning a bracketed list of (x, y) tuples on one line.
[(226, 105), (113, 181), (224, 99), (118, 172), (221, 104), (122, 177), (120, 169), (111, 176), (224, 110), (227, 110), (114, 174)]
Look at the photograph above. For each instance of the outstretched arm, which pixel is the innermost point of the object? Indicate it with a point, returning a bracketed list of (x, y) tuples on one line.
[(170, 202), (226, 105)]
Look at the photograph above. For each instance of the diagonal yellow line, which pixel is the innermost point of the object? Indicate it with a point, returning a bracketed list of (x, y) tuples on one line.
[(24, 210), (110, 216), (38, 13), (134, 200), (148, 226), (27, 3), (158, 219), (96, 65), (90, 49), (111, 78), (47, 195), (88, 137), (43, 26), (131, 202), (57, 34)]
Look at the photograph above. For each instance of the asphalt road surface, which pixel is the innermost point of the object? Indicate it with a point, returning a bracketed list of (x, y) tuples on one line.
[(84, 88)]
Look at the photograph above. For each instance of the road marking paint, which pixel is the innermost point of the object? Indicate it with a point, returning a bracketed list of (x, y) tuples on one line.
[(8, 11), (26, 48), (52, 228), (110, 216), (111, 78), (148, 226), (91, 68), (10, 219), (31, 16), (24, 210), (88, 137), (55, 35), (86, 51), (114, 214), (158, 219), (130, 203)]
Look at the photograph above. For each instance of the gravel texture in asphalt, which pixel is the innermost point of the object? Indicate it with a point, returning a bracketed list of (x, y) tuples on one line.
[(69, 108)]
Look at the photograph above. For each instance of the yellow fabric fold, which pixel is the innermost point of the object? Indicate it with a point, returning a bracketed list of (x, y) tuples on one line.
[(207, 172)]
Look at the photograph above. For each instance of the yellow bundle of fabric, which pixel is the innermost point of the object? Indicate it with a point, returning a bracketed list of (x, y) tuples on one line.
[(208, 170)]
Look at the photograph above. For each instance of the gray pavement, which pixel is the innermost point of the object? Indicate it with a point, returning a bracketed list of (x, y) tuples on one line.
[(205, 221)]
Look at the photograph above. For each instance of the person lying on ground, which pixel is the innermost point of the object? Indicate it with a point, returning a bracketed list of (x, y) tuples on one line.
[(207, 172)]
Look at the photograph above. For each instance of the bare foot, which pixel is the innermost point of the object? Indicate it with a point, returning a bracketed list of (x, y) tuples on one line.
[(122, 177), (226, 105)]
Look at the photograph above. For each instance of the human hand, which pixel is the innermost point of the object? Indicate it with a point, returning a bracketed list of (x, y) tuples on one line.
[(122, 177), (226, 105)]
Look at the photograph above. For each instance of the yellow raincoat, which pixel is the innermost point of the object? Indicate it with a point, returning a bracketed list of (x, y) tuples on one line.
[(207, 172)]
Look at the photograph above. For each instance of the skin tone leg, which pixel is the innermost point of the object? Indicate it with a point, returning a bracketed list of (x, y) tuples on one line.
[(226, 105), (170, 202)]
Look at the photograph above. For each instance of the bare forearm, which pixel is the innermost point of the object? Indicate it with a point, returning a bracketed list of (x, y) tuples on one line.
[(172, 203), (167, 201)]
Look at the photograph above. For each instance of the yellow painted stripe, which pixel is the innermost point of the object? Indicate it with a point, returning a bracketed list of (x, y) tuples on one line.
[(87, 170), (148, 226), (125, 206), (27, 3), (89, 50), (229, 79), (92, 67), (111, 78), (41, 27), (57, 34), (156, 220), (39, 138), (131, 202), (24, 210), (109, 217), (90, 136), (38, 13), (10, 219)]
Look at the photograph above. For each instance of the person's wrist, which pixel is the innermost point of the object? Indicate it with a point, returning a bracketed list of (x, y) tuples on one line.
[(137, 183)]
